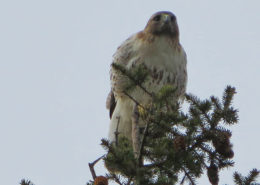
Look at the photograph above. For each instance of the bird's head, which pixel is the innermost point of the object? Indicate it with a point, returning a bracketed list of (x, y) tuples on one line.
[(163, 23)]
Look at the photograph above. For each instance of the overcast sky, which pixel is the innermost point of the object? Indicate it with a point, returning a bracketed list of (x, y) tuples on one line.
[(54, 78)]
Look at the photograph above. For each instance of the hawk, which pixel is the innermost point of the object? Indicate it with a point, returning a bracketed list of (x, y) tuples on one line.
[(157, 47)]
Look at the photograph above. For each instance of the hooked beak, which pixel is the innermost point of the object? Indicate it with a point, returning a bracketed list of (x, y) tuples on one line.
[(166, 18)]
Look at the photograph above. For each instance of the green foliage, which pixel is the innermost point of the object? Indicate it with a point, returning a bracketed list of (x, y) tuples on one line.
[(248, 180), (120, 157), (177, 142), (26, 182), (177, 146)]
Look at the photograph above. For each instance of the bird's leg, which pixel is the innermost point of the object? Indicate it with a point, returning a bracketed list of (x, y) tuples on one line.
[(136, 131), (116, 132)]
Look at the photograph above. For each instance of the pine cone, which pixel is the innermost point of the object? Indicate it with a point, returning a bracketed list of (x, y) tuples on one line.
[(179, 143), (101, 180), (223, 145), (213, 174)]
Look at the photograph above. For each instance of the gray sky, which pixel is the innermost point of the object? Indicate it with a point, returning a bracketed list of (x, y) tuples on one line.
[(54, 78)]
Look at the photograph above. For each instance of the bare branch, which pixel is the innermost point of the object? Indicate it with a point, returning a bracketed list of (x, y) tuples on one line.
[(91, 167)]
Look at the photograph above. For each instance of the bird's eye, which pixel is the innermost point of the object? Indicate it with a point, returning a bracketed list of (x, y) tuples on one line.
[(157, 18), (173, 18)]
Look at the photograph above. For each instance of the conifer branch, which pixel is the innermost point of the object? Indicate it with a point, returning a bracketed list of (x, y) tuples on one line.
[(193, 143), (248, 180), (26, 182)]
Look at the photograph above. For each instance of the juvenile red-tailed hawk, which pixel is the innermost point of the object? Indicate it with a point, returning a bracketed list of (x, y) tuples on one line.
[(158, 48)]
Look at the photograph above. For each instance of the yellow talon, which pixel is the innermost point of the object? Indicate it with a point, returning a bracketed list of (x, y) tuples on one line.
[(141, 110)]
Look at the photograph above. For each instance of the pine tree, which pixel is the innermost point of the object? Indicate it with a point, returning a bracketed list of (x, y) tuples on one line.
[(175, 145)]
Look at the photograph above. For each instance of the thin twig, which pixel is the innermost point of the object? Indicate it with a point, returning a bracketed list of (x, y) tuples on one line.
[(91, 167), (183, 179), (134, 100), (189, 177), (124, 71), (116, 179)]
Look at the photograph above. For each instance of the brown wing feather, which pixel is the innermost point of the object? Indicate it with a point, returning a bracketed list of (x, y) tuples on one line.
[(111, 103)]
